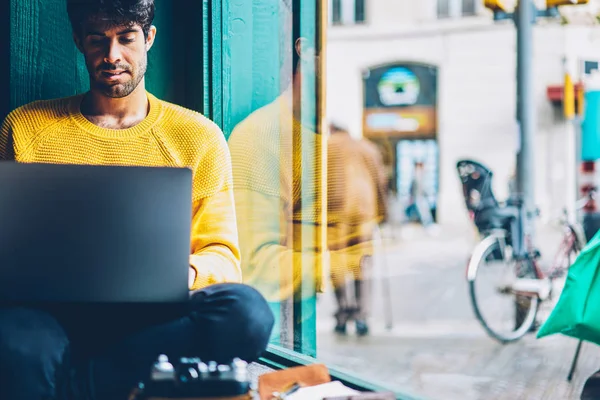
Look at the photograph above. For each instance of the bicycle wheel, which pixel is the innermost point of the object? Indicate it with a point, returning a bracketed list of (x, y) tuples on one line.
[(506, 315)]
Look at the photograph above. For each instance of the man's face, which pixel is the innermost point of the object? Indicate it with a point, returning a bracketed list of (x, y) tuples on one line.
[(309, 60), (115, 56)]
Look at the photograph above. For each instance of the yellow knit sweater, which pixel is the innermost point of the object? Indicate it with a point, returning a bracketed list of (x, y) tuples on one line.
[(55, 131), (277, 174)]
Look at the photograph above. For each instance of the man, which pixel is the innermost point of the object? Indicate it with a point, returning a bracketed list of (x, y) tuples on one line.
[(356, 203), (47, 356)]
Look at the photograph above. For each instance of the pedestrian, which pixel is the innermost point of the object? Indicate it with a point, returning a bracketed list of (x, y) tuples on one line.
[(356, 204), (419, 204)]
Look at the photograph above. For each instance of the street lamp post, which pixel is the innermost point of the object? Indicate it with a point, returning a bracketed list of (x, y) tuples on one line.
[(524, 18)]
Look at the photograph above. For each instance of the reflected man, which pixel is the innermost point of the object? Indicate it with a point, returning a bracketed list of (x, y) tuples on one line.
[(276, 158)]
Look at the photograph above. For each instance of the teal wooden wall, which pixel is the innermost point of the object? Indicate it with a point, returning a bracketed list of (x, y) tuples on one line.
[(5, 28), (251, 57), (44, 62)]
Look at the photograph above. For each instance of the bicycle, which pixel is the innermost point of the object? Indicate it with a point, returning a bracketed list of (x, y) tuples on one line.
[(516, 272)]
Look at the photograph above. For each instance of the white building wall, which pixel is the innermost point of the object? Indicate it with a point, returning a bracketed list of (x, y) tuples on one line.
[(394, 12), (477, 95)]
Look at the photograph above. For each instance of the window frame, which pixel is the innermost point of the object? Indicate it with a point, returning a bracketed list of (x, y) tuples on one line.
[(363, 20), (278, 358), (346, 12), (336, 12), (469, 13), (447, 14), (456, 9)]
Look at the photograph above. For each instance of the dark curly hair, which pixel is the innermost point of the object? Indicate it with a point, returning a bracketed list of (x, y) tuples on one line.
[(113, 12)]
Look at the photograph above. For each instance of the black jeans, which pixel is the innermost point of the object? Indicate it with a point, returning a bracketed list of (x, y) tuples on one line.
[(58, 354)]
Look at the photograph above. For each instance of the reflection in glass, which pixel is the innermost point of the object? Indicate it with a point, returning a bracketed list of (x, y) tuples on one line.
[(356, 203), (276, 158)]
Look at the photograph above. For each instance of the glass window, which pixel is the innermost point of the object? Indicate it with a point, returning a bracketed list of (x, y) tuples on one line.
[(336, 11), (469, 7), (443, 8), (276, 145), (347, 12), (359, 11)]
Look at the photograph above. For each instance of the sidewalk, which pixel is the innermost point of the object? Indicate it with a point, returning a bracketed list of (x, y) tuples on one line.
[(436, 347)]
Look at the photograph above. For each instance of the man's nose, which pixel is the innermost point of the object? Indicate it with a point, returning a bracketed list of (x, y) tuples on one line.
[(113, 53)]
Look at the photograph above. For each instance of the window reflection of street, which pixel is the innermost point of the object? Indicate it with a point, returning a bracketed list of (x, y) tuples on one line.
[(432, 84)]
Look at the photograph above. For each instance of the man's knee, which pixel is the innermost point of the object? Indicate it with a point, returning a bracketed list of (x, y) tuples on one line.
[(244, 320), (253, 312), (33, 347)]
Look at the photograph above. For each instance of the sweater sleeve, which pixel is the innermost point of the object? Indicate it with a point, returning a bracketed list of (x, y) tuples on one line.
[(215, 253)]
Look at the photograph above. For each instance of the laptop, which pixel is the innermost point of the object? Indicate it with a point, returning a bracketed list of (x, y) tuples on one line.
[(94, 234)]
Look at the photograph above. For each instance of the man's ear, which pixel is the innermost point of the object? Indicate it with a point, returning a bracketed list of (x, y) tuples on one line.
[(304, 49), (299, 45), (150, 38), (77, 42)]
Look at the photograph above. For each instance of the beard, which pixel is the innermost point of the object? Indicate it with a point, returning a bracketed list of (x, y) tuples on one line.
[(118, 90)]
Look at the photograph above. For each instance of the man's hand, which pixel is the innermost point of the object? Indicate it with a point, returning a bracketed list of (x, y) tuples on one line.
[(192, 278)]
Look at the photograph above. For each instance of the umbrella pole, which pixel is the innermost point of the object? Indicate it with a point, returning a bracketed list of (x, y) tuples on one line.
[(574, 363)]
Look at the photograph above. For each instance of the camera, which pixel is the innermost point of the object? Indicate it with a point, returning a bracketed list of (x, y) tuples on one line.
[(192, 378)]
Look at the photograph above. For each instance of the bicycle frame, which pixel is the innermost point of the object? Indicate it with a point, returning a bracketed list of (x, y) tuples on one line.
[(573, 235)]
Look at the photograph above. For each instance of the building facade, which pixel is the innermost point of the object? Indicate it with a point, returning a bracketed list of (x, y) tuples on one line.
[(473, 59)]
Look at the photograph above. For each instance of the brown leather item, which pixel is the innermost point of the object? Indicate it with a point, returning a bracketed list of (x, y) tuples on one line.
[(279, 381)]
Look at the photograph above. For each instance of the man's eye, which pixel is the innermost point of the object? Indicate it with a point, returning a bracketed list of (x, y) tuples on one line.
[(127, 40), (95, 42)]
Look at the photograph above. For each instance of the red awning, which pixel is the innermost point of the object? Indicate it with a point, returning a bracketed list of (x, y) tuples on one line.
[(555, 93)]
